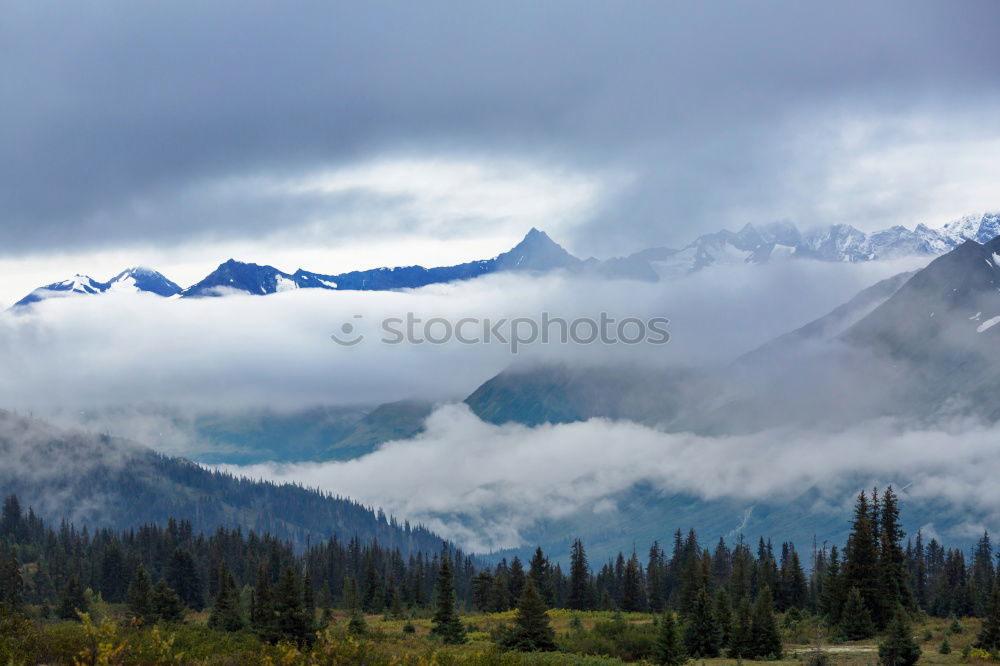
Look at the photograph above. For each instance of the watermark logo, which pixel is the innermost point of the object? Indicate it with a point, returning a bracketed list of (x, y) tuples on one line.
[(515, 333)]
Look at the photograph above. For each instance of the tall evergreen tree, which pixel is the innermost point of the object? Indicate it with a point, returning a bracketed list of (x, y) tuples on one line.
[(140, 595), (741, 636), (654, 579), (73, 600), (289, 608), (226, 614), (989, 634), (861, 554), (11, 582), (261, 605), (633, 600), (832, 596), (669, 648), (531, 631), (581, 595), (892, 578), (181, 574), (445, 624), (701, 637), (540, 572), (766, 636), (724, 617)]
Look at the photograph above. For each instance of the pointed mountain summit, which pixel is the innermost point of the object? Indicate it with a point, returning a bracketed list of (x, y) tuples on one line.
[(239, 277), (536, 252), (139, 278), (131, 280)]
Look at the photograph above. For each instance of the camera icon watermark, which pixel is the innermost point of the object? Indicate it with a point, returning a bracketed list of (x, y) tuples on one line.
[(515, 333)]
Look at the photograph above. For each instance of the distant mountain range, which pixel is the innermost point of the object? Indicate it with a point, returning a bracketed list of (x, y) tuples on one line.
[(538, 253)]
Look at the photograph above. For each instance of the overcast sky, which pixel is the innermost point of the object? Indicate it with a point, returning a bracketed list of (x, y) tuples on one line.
[(334, 136)]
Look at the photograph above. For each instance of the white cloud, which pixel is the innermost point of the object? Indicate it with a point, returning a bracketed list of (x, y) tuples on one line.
[(276, 350), (484, 485)]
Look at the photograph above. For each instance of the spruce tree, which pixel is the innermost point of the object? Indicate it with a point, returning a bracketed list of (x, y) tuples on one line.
[(226, 612), (861, 555), (989, 634), (73, 600), (632, 597), (766, 636), (531, 631), (581, 596), (261, 606), (741, 635), (140, 596), (289, 608), (445, 624), (832, 595), (309, 601), (899, 648), (669, 648), (723, 617), (540, 572), (701, 636), (181, 574), (167, 606), (892, 579), (856, 621), (11, 582)]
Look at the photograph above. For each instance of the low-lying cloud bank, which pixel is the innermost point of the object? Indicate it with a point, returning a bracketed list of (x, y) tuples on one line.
[(275, 351), (486, 485)]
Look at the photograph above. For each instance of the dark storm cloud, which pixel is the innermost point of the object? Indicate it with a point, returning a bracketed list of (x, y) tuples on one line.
[(115, 108)]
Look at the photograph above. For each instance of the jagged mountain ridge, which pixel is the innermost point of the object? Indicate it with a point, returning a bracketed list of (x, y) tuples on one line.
[(537, 252), (132, 280)]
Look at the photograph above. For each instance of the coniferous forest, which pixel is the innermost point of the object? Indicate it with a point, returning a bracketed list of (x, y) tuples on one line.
[(119, 596)]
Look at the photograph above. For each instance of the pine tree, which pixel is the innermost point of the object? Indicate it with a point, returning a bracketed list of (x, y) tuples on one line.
[(899, 648), (73, 600), (226, 612), (654, 579), (167, 606), (140, 596), (856, 621), (724, 617), (832, 596), (669, 648), (289, 608), (540, 572), (261, 606), (181, 574), (892, 585), (632, 597), (989, 635), (861, 555), (741, 636), (581, 596), (11, 582), (766, 637), (445, 623), (309, 601), (531, 631), (701, 637)]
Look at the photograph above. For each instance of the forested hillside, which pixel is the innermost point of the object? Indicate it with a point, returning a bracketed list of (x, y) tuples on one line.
[(105, 482)]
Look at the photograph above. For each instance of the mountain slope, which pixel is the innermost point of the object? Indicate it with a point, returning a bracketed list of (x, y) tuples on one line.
[(103, 481)]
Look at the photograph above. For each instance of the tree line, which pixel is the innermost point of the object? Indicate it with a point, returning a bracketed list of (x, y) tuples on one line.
[(714, 600)]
